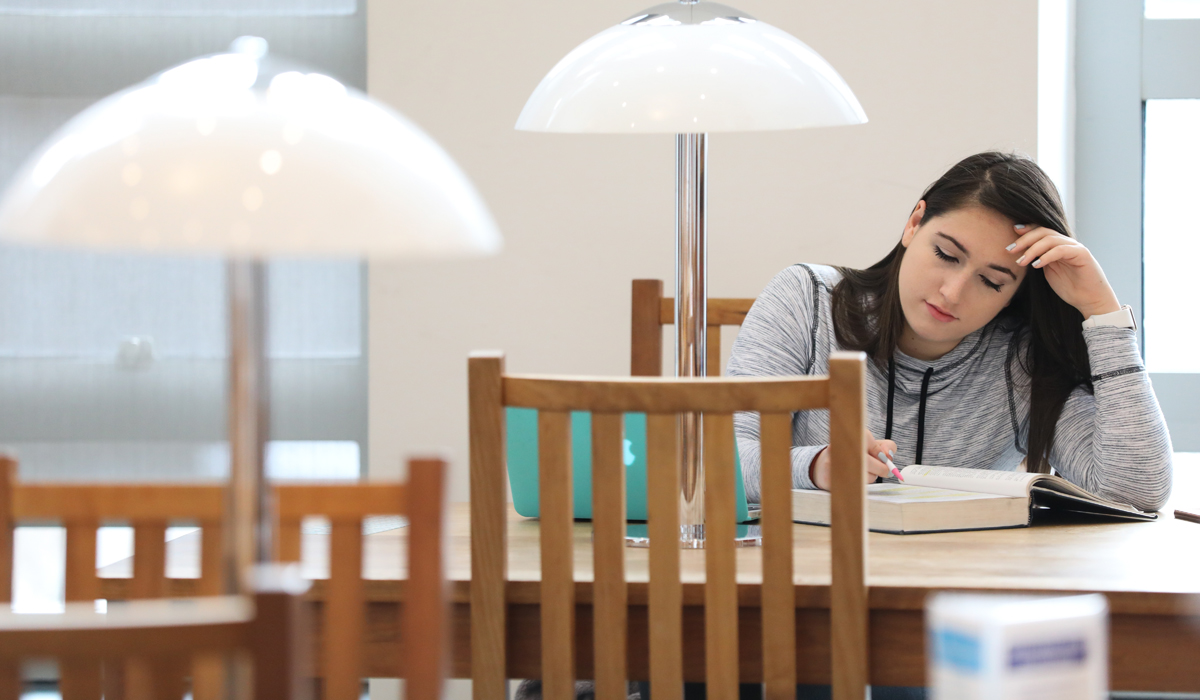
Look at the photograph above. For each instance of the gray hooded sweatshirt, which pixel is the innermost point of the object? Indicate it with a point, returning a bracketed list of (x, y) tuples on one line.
[(968, 408)]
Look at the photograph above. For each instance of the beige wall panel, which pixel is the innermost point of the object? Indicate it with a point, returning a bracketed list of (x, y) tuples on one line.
[(583, 215)]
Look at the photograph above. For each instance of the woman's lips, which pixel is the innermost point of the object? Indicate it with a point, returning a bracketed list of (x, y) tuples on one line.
[(938, 314)]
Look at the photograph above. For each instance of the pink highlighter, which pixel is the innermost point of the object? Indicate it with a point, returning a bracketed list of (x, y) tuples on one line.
[(886, 460)]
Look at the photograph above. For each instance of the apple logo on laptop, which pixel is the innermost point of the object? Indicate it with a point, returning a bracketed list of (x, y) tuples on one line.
[(628, 452)]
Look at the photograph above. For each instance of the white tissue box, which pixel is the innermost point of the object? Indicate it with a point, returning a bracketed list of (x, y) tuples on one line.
[(998, 647)]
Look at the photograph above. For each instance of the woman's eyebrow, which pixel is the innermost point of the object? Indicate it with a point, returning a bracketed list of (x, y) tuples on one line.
[(1005, 270), (955, 242)]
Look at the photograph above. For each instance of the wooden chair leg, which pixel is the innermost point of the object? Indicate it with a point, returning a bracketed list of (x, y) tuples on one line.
[(138, 681), (10, 680), (113, 679), (79, 679), (208, 677), (169, 678)]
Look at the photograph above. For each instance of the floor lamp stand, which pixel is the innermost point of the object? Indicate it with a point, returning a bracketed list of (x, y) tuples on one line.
[(248, 522), (691, 323)]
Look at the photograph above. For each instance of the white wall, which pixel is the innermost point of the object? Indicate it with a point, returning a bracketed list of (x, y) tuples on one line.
[(583, 215)]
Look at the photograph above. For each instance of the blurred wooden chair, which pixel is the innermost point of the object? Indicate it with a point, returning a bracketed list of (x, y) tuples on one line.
[(343, 622), (776, 399), (149, 508), (652, 311), (166, 633)]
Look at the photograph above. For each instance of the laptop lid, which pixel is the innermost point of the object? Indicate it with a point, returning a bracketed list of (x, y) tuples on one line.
[(522, 446)]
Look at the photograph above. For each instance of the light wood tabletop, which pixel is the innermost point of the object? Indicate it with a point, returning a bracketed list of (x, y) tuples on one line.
[(1150, 573)]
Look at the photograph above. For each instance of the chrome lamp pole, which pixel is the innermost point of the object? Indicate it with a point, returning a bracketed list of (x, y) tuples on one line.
[(691, 323)]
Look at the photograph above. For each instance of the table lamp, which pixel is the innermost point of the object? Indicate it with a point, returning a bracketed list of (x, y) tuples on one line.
[(245, 155), (690, 68)]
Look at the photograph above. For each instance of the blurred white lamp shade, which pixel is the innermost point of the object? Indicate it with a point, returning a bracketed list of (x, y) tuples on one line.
[(690, 68), (244, 155)]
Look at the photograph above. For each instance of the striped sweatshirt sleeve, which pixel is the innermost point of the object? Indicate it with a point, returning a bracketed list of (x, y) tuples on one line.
[(1114, 442), (776, 339)]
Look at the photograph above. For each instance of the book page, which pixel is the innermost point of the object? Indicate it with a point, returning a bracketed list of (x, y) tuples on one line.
[(909, 493), (975, 480)]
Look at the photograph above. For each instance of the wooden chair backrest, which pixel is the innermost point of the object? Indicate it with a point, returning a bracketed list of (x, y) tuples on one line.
[(149, 507), (652, 311), (424, 639), (273, 630), (775, 399)]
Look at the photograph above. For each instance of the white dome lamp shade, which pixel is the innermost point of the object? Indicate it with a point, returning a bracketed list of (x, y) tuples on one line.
[(690, 68), (246, 155)]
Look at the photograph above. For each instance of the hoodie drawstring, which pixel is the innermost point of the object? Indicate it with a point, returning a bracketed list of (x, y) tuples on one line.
[(921, 415), (887, 435)]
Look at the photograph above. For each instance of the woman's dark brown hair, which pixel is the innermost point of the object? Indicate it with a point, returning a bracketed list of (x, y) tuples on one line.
[(1047, 335)]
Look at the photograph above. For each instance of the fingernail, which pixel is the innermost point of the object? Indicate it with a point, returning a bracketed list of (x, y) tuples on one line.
[(1020, 259), (1010, 246), (1019, 226), (1037, 263), (892, 454), (882, 456)]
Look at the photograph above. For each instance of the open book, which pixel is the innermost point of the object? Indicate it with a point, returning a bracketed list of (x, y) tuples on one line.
[(939, 499)]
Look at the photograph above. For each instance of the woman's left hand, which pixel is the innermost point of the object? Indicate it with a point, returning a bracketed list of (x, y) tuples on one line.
[(1072, 272)]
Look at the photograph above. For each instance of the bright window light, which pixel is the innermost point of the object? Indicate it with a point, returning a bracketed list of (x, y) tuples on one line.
[(1173, 9), (177, 8), (1171, 234)]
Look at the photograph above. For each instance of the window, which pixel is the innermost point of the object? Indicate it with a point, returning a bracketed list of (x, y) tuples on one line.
[(1138, 87), (113, 366)]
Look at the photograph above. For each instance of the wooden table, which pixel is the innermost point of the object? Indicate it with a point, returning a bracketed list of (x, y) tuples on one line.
[(1150, 573)]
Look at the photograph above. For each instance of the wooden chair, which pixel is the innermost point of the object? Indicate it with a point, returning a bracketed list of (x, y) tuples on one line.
[(82, 508), (776, 399), (271, 627), (423, 637), (148, 508), (652, 311)]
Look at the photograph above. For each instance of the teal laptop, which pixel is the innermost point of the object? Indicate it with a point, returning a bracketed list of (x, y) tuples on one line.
[(522, 439)]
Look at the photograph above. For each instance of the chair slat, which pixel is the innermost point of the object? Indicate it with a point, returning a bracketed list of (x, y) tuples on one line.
[(208, 669), (666, 590), (656, 395), (555, 506), (424, 626), (81, 582), (720, 590), (489, 504), (345, 617), (778, 591), (80, 679), (288, 540), (848, 521), (8, 479), (609, 616), (646, 336), (338, 501), (212, 575), (149, 560), (10, 671), (119, 501)]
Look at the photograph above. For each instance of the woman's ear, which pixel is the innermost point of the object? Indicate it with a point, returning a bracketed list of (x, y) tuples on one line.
[(914, 222)]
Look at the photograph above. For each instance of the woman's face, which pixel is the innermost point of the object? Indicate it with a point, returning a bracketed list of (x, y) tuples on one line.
[(955, 277)]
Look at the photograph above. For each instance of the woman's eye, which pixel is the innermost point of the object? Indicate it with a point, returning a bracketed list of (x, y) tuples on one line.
[(990, 283), (941, 254)]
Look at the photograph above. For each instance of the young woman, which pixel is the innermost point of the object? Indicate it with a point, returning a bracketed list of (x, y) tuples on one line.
[(993, 336)]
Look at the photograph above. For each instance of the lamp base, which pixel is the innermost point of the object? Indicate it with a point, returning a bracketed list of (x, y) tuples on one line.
[(748, 535)]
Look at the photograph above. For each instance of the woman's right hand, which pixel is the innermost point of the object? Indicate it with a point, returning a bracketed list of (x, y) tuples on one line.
[(819, 470)]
